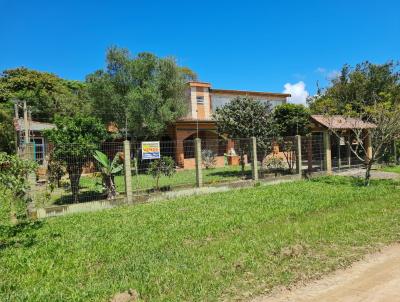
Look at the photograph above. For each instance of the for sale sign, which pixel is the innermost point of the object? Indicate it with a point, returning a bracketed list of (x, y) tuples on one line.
[(150, 150)]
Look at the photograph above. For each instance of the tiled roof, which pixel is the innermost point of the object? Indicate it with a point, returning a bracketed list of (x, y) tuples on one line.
[(342, 122), (33, 125)]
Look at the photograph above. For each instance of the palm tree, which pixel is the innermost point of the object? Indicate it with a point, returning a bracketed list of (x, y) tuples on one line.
[(108, 170)]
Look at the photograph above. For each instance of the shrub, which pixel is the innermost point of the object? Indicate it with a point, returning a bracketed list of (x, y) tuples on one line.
[(273, 164), (208, 159), (13, 181), (163, 166)]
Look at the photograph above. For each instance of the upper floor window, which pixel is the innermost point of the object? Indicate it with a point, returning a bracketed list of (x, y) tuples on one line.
[(200, 99)]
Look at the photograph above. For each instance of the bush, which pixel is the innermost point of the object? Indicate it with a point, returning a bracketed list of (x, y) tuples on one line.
[(208, 159), (13, 182), (163, 166), (273, 164)]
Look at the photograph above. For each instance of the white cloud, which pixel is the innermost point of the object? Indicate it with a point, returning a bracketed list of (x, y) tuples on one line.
[(298, 92), (328, 74), (333, 74)]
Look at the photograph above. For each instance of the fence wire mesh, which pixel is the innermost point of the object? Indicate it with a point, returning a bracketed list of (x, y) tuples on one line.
[(73, 173)]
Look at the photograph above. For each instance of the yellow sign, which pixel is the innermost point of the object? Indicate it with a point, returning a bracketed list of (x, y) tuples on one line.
[(151, 150)]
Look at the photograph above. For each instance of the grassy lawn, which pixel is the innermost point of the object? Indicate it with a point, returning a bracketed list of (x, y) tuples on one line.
[(395, 169), (201, 248), (91, 185)]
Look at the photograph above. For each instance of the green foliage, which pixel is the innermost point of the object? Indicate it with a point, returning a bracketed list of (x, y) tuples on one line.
[(359, 88), (108, 170), (292, 119), (211, 247), (163, 166), (244, 117), (146, 91), (273, 164), (7, 131), (46, 94), (13, 182), (75, 140), (55, 171), (208, 158)]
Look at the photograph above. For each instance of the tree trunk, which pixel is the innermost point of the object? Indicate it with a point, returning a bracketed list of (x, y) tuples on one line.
[(368, 174), (74, 171), (110, 186)]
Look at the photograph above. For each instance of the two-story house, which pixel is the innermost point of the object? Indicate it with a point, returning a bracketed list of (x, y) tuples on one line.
[(202, 102)]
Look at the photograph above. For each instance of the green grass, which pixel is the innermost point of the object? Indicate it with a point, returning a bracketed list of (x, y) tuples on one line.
[(91, 185), (201, 248), (395, 169)]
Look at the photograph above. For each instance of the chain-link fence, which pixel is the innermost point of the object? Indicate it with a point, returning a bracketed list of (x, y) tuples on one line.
[(72, 173)]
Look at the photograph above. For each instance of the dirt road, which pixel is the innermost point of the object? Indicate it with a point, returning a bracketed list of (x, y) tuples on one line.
[(377, 278)]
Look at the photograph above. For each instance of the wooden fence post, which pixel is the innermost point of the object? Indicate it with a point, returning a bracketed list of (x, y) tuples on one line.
[(197, 153), (254, 165), (327, 152), (127, 171), (299, 161)]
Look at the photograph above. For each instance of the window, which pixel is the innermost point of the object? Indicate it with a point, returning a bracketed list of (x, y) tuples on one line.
[(200, 99), (39, 151)]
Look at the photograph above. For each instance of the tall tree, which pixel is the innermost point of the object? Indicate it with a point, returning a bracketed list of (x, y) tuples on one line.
[(243, 118), (47, 95), (7, 131), (292, 119), (144, 93), (358, 88), (75, 140)]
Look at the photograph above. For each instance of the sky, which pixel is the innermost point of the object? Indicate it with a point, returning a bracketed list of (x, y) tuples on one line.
[(278, 46)]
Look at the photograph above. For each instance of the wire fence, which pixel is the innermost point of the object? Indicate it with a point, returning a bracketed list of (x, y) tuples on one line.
[(74, 173)]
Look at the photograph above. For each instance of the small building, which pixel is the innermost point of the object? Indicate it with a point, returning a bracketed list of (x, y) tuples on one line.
[(202, 101), (340, 134), (36, 136)]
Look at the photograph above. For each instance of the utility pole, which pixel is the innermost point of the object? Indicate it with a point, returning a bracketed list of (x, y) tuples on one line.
[(26, 124), (16, 129)]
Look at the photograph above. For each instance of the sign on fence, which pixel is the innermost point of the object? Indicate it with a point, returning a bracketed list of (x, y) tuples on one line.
[(150, 150)]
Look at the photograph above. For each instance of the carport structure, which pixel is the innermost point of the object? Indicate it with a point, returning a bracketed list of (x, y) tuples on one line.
[(341, 135)]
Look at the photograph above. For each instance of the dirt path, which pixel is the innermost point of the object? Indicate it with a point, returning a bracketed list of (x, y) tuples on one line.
[(377, 278)]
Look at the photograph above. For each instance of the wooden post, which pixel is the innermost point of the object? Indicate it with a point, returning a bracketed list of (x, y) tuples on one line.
[(369, 146), (310, 153), (254, 165), (327, 152), (299, 161), (349, 151), (197, 153), (127, 170), (26, 124), (395, 153)]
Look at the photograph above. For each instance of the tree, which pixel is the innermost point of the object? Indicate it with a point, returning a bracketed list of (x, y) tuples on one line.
[(292, 119), (243, 118), (378, 128), (46, 94), (163, 166), (358, 88), (7, 131), (75, 139), (144, 93), (108, 170), (13, 180)]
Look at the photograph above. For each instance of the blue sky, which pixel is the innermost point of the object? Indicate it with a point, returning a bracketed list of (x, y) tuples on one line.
[(250, 45)]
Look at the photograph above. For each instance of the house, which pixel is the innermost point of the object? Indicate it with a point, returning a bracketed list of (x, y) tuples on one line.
[(36, 136), (202, 101)]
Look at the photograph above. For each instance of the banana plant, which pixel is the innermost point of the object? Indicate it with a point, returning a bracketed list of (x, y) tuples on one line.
[(108, 170)]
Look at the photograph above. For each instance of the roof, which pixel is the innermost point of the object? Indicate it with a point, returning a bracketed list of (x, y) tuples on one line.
[(33, 125), (342, 122), (246, 92)]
